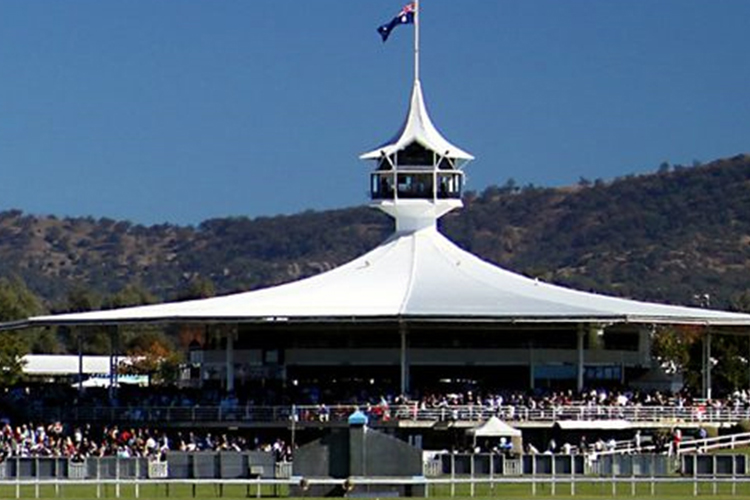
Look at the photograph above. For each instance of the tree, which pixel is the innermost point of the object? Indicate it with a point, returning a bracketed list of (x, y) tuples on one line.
[(132, 294), (17, 302), (91, 340), (152, 354), (670, 346), (510, 186), (12, 350), (197, 288), (731, 369), (81, 299), (740, 302)]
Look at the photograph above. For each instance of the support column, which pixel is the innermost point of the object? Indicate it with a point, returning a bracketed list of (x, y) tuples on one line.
[(581, 335), (644, 347), (231, 332), (703, 368), (114, 362), (708, 365), (405, 385), (532, 365), (79, 339)]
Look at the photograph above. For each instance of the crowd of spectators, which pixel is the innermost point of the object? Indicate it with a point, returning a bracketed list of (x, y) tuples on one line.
[(147, 404), (146, 439), (58, 440)]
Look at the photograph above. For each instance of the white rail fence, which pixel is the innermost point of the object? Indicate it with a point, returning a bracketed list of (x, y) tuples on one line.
[(251, 414), (443, 487)]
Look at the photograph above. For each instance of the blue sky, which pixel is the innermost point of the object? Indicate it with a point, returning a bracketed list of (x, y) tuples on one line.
[(180, 111)]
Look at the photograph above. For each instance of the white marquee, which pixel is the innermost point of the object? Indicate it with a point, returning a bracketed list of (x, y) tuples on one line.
[(419, 275)]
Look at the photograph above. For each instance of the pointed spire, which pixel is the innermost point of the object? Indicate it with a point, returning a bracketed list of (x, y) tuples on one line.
[(418, 128)]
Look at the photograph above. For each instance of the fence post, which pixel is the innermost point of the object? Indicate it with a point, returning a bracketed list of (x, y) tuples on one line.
[(453, 475), (98, 477), (653, 474), (57, 477), (36, 477), (714, 472), (137, 478), (18, 477), (554, 475), (472, 456), (695, 475), (572, 475), (492, 473), (117, 476)]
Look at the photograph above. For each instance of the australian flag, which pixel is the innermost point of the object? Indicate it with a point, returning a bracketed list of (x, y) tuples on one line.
[(406, 16)]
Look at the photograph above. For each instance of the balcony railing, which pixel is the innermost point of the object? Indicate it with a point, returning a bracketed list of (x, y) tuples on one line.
[(381, 414)]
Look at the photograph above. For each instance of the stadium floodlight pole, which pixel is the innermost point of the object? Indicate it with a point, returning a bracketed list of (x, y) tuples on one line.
[(417, 15)]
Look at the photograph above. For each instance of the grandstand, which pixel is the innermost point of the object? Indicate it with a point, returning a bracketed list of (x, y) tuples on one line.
[(416, 315), (425, 338)]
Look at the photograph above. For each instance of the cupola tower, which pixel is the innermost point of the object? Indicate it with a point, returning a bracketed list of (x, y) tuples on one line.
[(418, 175)]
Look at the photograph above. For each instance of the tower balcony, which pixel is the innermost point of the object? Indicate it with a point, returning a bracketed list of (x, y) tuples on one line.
[(416, 184)]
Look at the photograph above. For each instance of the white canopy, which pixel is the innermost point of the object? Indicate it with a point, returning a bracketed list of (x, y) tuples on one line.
[(606, 425), (412, 275), (65, 364), (494, 427), (418, 128)]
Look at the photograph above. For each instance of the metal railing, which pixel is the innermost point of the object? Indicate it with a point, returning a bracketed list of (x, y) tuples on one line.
[(467, 475), (381, 414)]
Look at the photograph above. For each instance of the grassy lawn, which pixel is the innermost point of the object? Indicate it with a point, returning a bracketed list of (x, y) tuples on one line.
[(543, 490)]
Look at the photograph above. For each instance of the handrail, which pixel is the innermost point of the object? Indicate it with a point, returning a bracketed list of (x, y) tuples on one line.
[(379, 414)]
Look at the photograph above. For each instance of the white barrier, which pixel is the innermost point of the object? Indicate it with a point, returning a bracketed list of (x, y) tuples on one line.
[(570, 484), (158, 470), (77, 469)]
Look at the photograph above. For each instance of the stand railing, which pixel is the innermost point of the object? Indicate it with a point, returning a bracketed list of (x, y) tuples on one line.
[(382, 414)]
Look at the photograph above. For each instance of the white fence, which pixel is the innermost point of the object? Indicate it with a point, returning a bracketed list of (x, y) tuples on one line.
[(698, 414), (444, 487)]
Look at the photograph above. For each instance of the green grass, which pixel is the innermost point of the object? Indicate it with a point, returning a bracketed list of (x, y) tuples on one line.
[(594, 490), (543, 490)]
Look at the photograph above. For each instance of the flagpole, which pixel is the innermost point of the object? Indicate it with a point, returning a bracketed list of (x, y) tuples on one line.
[(417, 15)]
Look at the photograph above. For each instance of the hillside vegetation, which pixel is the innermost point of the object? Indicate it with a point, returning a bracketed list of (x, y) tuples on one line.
[(669, 236)]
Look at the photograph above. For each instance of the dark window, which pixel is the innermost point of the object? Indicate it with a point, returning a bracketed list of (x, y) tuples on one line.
[(416, 154)]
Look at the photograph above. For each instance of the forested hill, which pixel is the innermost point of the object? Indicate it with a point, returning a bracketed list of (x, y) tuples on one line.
[(668, 236)]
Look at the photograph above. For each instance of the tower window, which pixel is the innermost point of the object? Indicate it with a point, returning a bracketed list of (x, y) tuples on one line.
[(415, 185), (449, 185), (381, 186), (416, 155)]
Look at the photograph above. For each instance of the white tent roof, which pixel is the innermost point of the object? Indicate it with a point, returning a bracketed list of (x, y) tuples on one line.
[(607, 425), (494, 427), (64, 364), (418, 128), (417, 275)]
